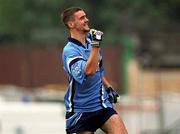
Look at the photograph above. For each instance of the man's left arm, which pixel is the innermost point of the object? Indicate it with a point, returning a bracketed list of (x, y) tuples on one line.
[(114, 97)]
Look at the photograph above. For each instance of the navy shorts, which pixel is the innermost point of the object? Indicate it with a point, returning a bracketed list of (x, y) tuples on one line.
[(87, 121)]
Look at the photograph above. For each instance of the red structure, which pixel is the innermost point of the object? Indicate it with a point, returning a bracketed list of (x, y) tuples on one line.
[(35, 67)]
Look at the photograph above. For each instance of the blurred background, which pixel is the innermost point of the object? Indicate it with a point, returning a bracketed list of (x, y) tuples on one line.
[(141, 52)]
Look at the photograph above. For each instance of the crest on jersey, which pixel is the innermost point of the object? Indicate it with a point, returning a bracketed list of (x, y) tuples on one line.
[(76, 68)]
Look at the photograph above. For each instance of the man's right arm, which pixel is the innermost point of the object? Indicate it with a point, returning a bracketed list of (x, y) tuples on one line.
[(92, 62)]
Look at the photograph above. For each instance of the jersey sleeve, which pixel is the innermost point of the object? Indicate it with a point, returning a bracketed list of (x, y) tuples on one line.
[(75, 65)]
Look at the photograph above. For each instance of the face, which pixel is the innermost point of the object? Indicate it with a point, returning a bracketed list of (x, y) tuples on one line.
[(80, 21)]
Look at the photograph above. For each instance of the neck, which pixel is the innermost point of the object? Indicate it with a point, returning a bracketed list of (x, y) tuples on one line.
[(81, 37)]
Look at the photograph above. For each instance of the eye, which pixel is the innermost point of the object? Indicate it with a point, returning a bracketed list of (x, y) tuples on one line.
[(83, 17)]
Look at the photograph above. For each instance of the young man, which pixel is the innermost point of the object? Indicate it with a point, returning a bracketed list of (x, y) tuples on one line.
[(88, 103)]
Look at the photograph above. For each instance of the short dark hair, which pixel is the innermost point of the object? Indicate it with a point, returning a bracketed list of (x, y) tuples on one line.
[(67, 14)]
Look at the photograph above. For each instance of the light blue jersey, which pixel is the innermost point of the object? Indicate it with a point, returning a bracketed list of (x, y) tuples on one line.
[(84, 93)]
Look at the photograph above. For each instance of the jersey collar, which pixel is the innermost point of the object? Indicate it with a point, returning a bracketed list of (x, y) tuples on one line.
[(70, 39)]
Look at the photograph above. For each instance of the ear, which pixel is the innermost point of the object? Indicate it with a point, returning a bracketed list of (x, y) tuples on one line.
[(70, 24)]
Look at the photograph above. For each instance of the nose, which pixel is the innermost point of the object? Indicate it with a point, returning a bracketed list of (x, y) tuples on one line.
[(86, 19)]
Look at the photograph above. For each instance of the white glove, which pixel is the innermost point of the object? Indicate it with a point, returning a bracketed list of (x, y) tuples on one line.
[(96, 37)]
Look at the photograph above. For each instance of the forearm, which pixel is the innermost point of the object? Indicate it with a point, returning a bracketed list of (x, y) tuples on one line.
[(114, 97), (105, 82), (92, 62)]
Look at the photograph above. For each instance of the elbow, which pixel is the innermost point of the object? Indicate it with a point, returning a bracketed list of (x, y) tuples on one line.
[(90, 69), (90, 72)]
